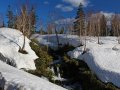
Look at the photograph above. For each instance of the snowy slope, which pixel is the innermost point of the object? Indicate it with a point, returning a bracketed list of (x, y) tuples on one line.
[(13, 79), (103, 59), (10, 40), (52, 41)]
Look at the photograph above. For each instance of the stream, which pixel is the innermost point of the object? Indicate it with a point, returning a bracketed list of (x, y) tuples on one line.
[(60, 79)]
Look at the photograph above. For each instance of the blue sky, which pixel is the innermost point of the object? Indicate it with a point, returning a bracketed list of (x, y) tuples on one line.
[(66, 8)]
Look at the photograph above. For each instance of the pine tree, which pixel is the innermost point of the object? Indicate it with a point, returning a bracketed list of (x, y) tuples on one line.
[(10, 17), (79, 24)]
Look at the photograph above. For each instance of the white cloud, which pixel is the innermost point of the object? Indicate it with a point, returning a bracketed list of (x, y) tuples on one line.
[(59, 6), (67, 8), (64, 8), (75, 3)]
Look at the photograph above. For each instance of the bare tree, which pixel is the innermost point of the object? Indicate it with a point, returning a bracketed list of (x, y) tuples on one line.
[(69, 25), (40, 26), (21, 24), (97, 25), (85, 36), (53, 17), (25, 22), (116, 26)]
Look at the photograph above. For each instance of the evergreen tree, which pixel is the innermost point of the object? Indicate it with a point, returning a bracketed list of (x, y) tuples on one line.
[(79, 24), (10, 17)]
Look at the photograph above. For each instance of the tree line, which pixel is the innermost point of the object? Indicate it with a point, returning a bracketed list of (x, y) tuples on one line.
[(85, 24), (95, 24)]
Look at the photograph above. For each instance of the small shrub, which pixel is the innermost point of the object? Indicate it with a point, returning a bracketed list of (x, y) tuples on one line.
[(110, 86), (35, 41), (43, 62), (69, 68), (65, 58), (64, 49)]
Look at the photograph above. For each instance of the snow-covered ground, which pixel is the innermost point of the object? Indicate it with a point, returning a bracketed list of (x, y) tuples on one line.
[(10, 40), (52, 41), (103, 59), (13, 79)]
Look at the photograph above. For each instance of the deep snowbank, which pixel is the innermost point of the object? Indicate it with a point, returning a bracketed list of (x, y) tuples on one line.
[(13, 79), (103, 59), (10, 40)]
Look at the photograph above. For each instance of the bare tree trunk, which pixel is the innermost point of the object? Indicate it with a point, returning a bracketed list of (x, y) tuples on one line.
[(57, 37), (106, 31), (98, 39), (85, 34), (29, 32), (80, 38), (41, 32), (99, 31), (118, 33), (23, 44), (47, 41), (85, 42)]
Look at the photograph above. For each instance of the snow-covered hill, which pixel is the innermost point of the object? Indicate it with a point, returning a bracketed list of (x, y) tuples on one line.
[(10, 40), (13, 79)]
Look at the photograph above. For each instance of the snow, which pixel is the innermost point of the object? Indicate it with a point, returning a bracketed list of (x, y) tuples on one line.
[(10, 40), (14, 79), (52, 41), (103, 59)]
